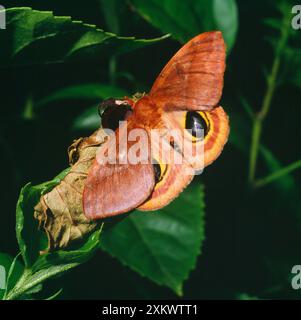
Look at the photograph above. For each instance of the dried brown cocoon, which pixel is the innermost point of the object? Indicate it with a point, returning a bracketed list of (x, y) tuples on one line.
[(60, 212)]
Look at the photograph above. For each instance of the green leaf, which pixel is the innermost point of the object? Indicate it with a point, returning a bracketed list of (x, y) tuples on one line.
[(111, 12), (54, 264), (36, 289), (66, 259), (291, 68), (162, 245), (6, 265), (35, 37), (285, 184), (89, 91), (185, 19), (239, 133), (226, 19), (55, 295), (26, 226), (89, 119), (246, 296), (272, 23), (240, 137)]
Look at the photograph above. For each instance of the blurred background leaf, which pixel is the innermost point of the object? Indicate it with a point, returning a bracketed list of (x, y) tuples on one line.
[(291, 72), (245, 296), (88, 119), (186, 19), (111, 10), (90, 91)]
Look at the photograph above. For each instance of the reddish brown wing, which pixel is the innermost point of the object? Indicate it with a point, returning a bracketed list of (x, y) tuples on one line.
[(112, 189), (193, 78)]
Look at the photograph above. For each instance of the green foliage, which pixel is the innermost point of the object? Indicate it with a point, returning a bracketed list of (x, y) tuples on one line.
[(245, 296), (40, 267), (89, 91), (48, 60), (286, 183), (239, 136), (52, 265), (291, 71), (38, 37), (89, 119), (162, 245), (13, 270), (185, 19), (111, 11), (290, 52)]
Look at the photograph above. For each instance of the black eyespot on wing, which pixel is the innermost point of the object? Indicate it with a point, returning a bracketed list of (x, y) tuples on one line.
[(111, 112), (157, 171), (196, 123)]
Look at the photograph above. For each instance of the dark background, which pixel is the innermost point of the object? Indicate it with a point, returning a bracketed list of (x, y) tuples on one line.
[(252, 236)]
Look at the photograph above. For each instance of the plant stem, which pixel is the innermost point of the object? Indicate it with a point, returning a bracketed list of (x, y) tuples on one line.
[(278, 174), (256, 134), (29, 280), (266, 104)]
